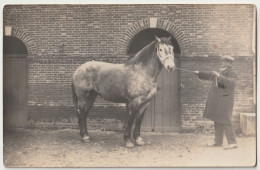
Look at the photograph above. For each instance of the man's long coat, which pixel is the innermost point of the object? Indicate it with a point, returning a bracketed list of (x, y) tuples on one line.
[(220, 100)]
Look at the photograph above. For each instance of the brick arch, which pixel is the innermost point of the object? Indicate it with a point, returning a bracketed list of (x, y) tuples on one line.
[(26, 39), (173, 29)]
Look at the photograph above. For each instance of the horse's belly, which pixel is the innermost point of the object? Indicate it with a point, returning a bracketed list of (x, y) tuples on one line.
[(113, 94), (116, 99)]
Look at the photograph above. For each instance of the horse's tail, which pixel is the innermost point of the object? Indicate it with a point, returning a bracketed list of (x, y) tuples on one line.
[(74, 96)]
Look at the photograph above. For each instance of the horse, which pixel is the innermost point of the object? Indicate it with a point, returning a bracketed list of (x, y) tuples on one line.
[(133, 83)]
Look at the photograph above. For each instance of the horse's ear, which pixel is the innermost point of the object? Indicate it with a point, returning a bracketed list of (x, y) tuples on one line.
[(158, 39)]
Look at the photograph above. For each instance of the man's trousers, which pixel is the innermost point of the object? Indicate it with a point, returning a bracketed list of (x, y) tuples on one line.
[(229, 132)]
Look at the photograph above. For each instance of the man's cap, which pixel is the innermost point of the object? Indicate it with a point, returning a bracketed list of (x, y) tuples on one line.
[(227, 57)]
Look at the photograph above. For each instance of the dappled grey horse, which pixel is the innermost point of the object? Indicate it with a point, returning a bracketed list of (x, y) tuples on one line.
[(133, 83)]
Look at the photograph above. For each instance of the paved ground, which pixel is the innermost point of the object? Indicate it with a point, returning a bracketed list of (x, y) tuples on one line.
[(63, 148)]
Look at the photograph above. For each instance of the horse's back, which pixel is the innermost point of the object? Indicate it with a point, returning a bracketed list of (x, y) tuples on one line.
[(94, 66)]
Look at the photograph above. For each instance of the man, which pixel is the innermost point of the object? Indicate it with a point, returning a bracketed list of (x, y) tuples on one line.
[(220, 101)]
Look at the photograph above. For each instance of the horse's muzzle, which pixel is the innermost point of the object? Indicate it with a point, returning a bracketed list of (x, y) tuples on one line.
[(170, 69)]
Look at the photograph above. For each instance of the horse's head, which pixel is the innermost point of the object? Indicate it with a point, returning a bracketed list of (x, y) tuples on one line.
[(165, 52)]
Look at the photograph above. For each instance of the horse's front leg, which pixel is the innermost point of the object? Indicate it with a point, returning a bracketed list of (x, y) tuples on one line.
[(138, 101), (127, 133), (139, 119), (136, 109)]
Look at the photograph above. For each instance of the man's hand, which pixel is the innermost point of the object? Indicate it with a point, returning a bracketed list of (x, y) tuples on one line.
[(216, 74), (196, 72)]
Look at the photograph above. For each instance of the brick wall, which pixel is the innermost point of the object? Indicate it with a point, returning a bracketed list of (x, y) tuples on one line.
[(61, 37)]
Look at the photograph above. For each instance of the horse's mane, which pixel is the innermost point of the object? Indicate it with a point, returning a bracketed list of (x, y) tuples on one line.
[(143, 55)]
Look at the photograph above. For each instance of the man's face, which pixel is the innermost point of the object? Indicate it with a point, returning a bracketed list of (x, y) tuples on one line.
[(224, 64)]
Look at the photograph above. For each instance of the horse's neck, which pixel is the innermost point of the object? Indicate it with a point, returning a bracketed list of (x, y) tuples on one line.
[(154, 67), (148, 60)]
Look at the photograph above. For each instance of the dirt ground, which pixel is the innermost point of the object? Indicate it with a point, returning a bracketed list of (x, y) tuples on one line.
[(63, 148)]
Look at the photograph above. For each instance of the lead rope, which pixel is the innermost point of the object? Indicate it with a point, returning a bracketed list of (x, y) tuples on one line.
[(189, 71)]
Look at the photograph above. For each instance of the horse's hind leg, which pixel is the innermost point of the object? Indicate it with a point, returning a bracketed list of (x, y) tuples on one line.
[(85, 103)]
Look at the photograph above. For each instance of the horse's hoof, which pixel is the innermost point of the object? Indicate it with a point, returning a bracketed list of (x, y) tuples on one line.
[(129, 144), (139, 141), (85, 139)]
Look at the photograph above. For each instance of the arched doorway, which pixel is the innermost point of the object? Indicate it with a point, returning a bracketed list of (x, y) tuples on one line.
[(146, 36), (14, 83), (163, 112)]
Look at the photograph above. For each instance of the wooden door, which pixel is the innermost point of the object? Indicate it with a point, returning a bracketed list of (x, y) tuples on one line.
[(14, 91), (163, 112)]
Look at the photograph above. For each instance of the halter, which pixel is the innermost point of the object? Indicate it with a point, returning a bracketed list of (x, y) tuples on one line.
[(166, 58)]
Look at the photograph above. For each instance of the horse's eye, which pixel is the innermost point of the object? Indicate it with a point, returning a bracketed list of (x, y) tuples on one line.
[(160, 49)]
